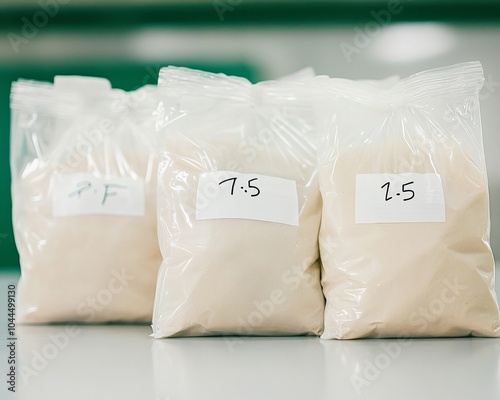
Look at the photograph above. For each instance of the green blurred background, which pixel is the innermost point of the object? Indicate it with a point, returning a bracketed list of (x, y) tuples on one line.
[(128, 41)]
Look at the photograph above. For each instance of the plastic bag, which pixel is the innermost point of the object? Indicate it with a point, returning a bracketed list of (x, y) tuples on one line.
[(84, 168), (238, 208), (404, 237)]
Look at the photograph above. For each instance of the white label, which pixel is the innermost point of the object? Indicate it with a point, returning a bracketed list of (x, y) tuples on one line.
[(85, 194), (227, 194), (405, 197)]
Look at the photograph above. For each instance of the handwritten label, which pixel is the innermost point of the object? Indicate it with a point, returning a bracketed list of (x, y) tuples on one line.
[(407, 197), (228, 194), (85, 194)]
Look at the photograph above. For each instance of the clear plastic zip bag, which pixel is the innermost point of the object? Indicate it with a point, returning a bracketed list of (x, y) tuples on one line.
[(404, 237), (84, 167), (238, 208)]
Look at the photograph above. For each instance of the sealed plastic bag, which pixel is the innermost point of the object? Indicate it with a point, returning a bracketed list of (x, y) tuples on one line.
[(84, 200), (404, 237), (238, 208)]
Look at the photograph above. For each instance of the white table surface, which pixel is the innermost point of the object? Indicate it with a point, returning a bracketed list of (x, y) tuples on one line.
[(123, 362)]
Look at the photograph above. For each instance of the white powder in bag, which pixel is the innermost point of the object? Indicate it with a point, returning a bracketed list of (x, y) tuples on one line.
[(235, 276), (91, 268), (407, 279), (84, 200)]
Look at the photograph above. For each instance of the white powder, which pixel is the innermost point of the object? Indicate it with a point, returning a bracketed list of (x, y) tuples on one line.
[(92, 268), (235, 276), (397, 279)]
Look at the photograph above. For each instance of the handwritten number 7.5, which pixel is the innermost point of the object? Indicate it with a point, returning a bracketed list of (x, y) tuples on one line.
[(249, 185), (404, 189)]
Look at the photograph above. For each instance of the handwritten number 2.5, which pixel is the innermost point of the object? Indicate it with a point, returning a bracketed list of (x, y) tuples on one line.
[(387, 186)]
